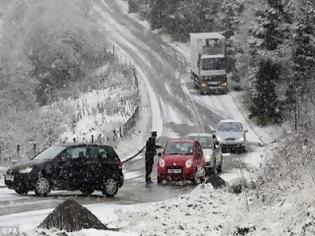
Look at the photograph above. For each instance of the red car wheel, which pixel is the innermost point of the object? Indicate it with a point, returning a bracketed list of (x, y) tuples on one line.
[(159, 180)]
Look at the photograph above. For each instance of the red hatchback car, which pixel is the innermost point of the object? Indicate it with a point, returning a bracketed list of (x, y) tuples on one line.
[(181, 160)]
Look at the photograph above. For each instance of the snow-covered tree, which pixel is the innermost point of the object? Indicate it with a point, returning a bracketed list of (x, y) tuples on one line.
[(266, 38), (231, 11), (157, 13), (181, 17), (53, 42), (304, 61), (266, 106)]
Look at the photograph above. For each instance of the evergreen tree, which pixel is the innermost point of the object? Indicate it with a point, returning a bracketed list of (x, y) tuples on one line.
[(181, 17), (304, 48), (277, 5), (304, 61), (231, 10), (266, 106), (132, 6), (157, 13), (268, 24)]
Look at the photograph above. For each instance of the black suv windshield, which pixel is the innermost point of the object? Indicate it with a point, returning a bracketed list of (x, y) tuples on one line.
[(50, 153)]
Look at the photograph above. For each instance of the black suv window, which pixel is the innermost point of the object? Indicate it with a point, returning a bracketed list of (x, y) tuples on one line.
[(110, 152), (102, 153), (76, 152), (92, 152)]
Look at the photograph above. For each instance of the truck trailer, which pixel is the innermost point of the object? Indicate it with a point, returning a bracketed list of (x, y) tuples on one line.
[(208, 62)]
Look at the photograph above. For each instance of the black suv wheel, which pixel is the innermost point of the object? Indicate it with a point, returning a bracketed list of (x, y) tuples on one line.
[(110, 187), (21, 190), (42, 186), (86, 190)]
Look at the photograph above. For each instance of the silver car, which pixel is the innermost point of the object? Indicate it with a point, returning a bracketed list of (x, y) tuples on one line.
[(231, 136), (211, 154)]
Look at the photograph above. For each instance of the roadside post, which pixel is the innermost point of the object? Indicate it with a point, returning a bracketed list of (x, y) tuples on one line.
[(34, 149), (120, 132), (99, 138), (114, 135), (18, 149)]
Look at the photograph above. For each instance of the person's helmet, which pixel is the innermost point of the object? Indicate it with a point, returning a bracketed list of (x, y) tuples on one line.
[(154, 134)]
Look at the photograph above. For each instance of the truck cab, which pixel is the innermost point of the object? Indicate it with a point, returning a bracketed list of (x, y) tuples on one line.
[(208, 62)]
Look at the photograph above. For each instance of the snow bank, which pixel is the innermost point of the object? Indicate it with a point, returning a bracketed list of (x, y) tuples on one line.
[(2, 172), (283, 203), (202, 212)]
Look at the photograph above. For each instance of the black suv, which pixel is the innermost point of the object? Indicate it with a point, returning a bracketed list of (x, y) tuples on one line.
[(84, 167)]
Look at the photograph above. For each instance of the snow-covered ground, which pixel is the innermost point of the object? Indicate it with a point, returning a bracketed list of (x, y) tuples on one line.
[(204, 211), (90, 118), (2, 171), (100, 111)]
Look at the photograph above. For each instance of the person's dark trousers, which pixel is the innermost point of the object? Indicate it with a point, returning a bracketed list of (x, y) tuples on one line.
[(148, 170)]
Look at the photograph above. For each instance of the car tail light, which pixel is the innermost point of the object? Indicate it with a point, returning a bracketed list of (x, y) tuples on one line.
[(188, 163), (161, 163), (119, 164)]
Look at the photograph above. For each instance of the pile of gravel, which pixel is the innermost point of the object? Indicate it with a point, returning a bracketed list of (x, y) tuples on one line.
[(71, 216)]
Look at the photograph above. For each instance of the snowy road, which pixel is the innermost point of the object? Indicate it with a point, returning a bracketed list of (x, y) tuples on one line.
[(162, 67), (175, 109)]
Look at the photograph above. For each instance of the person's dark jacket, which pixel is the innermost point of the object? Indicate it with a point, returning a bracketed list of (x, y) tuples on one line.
[(150, 150)]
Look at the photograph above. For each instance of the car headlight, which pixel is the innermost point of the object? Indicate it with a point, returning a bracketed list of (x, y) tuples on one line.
[(241, 139), (26, 170), (188, 163), (162, 163), (219, 139), (207, 157), (204, 85)]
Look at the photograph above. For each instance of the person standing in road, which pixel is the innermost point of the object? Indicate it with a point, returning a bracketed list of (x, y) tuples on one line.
[(150, 152)]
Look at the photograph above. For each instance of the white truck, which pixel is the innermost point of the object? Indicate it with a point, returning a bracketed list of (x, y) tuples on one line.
[(208, 62)]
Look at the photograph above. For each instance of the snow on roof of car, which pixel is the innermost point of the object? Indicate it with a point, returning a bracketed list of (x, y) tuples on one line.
[(199, 134), (180, 140), (80, 144), (206, 35), (212, 56), (230, 121)]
